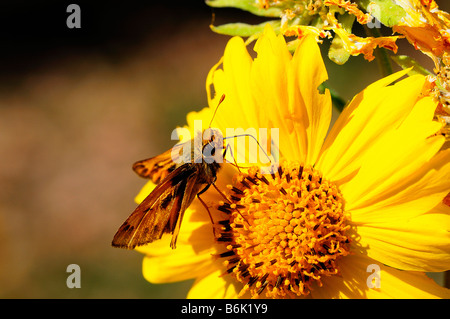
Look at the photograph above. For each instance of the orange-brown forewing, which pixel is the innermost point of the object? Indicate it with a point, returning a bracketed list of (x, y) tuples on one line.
[(162, 210), (157, 168)]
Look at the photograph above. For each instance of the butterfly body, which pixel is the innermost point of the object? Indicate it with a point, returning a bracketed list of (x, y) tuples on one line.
[(180, 177)]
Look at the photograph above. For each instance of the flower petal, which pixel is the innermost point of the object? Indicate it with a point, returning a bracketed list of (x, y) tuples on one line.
[(215, 286), (411, 196), (191, 258), (286, 89), (238, 108), (309, 72), (269, 85), (357, 270), (396, 156), (373, 114), (144, 192), (180, 264), (275, 90), (421, 243)]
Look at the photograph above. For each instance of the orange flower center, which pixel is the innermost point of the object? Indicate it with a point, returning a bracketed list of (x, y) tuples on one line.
[(285, 231)]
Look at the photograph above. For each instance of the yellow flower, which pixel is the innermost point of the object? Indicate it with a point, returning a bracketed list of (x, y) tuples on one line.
[(353, 213), (428, 29)]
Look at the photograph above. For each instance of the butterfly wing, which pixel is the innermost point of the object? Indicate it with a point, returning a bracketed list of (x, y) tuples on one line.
[(159, 167), (193, 185), (161, 211)]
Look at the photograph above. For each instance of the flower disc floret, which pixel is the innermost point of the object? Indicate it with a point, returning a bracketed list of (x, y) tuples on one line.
[(285, 230)]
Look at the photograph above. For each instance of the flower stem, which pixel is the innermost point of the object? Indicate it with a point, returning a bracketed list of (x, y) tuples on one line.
[(337, 100)]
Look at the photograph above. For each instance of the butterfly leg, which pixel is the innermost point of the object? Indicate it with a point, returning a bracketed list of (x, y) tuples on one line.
[(206, 206), (232, 155)]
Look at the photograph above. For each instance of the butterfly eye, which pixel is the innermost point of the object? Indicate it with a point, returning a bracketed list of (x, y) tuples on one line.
[(209, 149)]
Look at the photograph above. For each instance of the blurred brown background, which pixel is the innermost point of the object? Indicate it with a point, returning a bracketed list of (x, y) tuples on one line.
[(77, 108)]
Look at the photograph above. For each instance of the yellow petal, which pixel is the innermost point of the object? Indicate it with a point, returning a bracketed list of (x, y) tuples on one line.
[(275, 90), (395, 156), (243, 110), (180, 264), (371, 114), (190, 259), (238, 108), (358, 269), (144, 192), (416, 194), (215, 286), (310, 72), (286, 89), (205, 116), (269, 83), (420, 243)]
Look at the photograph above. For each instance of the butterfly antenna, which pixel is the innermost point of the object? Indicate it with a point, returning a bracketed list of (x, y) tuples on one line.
[(215, 111), (254, 138)]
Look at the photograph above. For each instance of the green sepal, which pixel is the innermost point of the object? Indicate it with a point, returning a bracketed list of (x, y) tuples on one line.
[(406, 62), (386, 11), (337, 52), (244, 29)]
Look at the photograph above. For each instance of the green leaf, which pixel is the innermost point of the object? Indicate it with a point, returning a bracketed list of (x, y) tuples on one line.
[(337, 52), (406, 62), (292, 45), (244, 29), (247, 5), (386, 11)]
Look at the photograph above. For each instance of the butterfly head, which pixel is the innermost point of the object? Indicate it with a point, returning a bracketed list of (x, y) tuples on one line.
[(212, 148)]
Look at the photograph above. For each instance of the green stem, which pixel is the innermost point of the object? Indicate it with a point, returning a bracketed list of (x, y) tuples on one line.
[(338, 101), (383, 61)]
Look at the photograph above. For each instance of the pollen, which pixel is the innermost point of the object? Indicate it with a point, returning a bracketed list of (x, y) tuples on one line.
[(284, 232)]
